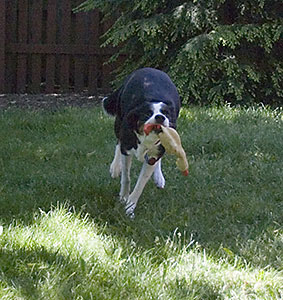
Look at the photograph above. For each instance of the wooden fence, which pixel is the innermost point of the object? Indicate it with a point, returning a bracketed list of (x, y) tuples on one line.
[(46, 48)]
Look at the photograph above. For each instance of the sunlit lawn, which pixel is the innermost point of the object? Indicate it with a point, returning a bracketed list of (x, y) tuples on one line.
[(216, 234)]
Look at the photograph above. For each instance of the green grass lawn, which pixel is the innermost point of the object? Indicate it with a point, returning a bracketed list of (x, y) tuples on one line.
[(216, 234)]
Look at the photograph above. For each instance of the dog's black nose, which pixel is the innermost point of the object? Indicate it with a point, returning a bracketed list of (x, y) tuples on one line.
[(159, 119)]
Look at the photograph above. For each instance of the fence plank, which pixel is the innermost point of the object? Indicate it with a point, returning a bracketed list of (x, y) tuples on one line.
[(2, 45), (36, 18), (51, 39), (65, 38), (80, 33), (11, 37), (107, 68), (93, 60), (22, 39)]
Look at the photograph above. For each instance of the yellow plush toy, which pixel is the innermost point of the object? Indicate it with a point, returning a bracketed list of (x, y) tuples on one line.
[(171, 141)]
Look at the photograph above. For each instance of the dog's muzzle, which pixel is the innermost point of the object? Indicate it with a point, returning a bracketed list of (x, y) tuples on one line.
[(159, 119)]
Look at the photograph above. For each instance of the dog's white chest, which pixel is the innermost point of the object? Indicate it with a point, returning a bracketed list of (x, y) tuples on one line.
[(148, 144)]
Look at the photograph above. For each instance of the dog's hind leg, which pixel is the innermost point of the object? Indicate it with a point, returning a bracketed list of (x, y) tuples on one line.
[(125, 178), (116, 165), (144, 176), (158, 176)]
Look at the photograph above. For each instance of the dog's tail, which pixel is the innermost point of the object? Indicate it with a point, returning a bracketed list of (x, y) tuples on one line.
[(110, 103)]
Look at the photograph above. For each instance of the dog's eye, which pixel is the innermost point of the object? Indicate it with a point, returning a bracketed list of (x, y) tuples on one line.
[(165, 112), (148, 114)]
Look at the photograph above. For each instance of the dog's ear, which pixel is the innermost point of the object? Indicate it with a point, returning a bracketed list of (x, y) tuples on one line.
[(132, 120)]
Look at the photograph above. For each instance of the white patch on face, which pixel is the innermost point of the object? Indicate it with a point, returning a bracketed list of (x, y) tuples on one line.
[(157, 107)]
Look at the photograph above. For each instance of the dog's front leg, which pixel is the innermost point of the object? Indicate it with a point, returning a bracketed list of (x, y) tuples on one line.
[(144, 176), (116, 165), (125, 177), (158, 176)]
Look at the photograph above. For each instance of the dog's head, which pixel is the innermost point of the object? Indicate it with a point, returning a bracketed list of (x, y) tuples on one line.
[(153, 113)]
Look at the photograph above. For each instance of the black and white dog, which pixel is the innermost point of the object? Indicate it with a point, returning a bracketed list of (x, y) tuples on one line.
[(147, 96)]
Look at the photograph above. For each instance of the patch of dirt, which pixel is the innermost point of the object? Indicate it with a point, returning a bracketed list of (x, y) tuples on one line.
[(45, 101)]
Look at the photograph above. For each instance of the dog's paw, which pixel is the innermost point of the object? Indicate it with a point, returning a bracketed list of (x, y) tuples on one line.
[(115, 169), (159, 179), (130, 210), (123, 199)]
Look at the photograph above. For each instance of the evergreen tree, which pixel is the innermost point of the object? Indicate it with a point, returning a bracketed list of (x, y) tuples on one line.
[(215, 50)]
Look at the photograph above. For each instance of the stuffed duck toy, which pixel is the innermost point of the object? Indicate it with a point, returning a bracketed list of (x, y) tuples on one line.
[(171, 141)]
